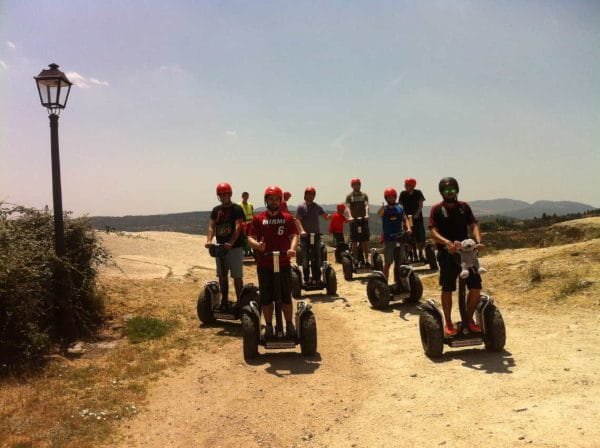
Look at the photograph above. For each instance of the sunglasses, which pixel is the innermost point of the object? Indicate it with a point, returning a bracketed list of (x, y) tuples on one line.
[(449, 190)]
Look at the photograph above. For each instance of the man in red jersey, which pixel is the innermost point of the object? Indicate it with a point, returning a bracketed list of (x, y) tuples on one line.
[(274, 230)]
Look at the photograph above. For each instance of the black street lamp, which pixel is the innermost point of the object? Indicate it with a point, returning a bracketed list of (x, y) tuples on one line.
[(54, 87)]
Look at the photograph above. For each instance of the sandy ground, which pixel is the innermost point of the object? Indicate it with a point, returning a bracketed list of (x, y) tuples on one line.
[(370, 384)]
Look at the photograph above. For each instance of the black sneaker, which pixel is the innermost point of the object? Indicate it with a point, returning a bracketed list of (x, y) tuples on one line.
[(290, 330), (268, 331)]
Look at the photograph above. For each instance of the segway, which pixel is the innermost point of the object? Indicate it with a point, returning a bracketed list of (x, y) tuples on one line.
[(407, 285), (350, 266), (487, 316), (210, 305), (306, 325), (328, 279)]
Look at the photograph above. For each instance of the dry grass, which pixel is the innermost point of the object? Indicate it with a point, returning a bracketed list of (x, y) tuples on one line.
[(76, 402)]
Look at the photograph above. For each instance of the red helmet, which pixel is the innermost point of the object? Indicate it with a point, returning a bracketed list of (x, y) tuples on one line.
[(390, 192), (287, 195), (310, 189), (223, 188), (355, 180), (410, 182), (341, 207), (273, 190)]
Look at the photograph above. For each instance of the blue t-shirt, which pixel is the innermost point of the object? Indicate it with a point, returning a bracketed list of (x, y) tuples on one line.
[(392, 221)]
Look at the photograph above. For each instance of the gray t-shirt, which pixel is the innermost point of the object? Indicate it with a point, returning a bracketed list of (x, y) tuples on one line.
[(356, 202), (308, 215)]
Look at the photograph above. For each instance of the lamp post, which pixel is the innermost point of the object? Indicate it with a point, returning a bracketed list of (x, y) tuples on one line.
[(54, 87)]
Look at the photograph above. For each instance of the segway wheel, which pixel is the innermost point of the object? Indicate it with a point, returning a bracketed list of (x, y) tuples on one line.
[(250, 334), (204, 306), (432, 335), (378, 293), (296, 284), (347, 268), (495, 331), (308, 336), (330, 281), (378, 262), (416, 288), (430, 256)]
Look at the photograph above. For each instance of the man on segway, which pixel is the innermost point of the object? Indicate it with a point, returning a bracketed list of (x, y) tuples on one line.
[(357, 204), (272, 231), (411, 201), (248, 209), (226, 224), (393, 222), (449, 224), (307, 215)]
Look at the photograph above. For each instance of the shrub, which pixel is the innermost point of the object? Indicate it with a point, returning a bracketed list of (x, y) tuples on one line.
[(45, 299)]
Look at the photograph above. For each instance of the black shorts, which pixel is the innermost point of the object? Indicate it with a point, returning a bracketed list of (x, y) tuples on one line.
[(419, 230), (338, 238), (266, 284), (449, 270), (364, 234)]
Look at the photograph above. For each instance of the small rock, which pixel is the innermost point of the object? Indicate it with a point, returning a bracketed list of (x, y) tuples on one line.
[(76, 349)]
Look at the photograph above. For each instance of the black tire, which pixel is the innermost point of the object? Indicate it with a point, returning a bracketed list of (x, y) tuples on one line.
[(330, 281), (250, 334), (378, 293), (338, 255), (249, 294), (377, 262), (204, 306), (347, 268), (296, 284), (308, 336), (495, 331), (416, 288), (431, 259), (432, 334)]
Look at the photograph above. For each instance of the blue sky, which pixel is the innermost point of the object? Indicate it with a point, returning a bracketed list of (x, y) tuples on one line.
[(172, 98)]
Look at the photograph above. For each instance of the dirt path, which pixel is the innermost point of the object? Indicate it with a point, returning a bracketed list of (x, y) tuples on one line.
[(371, 385)]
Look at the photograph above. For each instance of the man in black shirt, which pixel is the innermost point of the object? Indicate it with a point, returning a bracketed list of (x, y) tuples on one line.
[(226, 224), (449, 224), (411, 201)]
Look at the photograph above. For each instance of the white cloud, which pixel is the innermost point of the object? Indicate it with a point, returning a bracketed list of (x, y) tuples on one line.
[(83, 82), (10, 45), (3, 65), (231, 133), (100, 83)]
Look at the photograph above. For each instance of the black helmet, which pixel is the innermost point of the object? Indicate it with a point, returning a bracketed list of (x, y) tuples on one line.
[(448, 182)]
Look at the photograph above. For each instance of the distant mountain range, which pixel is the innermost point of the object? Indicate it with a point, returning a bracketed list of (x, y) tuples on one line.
[(197, 222)]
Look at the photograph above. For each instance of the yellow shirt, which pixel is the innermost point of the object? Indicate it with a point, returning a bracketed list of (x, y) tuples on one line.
[(248, 210)]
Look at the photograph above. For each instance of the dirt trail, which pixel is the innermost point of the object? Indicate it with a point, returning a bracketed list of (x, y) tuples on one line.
[(371, 385)]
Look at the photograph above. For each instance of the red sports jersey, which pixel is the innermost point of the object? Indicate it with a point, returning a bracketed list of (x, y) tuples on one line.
[(276, 232)]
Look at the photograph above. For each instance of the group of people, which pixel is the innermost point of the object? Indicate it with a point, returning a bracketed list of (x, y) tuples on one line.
[(276, 230)]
